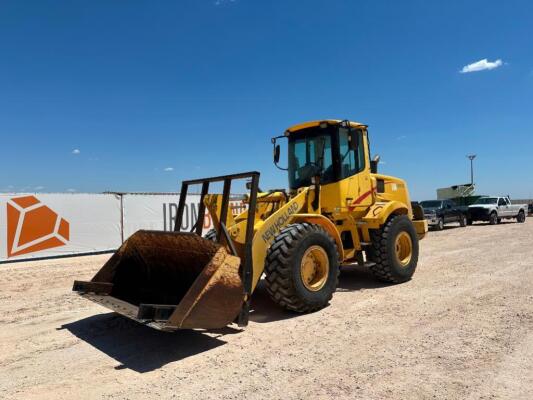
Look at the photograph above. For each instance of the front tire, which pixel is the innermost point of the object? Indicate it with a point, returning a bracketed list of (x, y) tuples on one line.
[(440, 224), (302, 268), (521, 218), (463, 220), (493, 218), (394, 250)]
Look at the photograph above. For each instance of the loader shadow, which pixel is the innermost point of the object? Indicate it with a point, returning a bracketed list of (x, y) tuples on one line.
[(352, 278), (264, 309), (445, 228), (139, 347)]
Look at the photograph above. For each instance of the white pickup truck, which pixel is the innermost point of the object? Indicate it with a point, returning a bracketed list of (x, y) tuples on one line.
[(494, 209)]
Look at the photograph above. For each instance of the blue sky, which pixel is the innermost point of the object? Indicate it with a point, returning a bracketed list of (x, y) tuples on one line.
[(153, 92)]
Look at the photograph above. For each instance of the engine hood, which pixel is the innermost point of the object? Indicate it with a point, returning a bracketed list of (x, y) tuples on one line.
[(486, 206)]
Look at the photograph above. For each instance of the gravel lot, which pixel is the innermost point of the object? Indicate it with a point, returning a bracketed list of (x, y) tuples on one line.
[(461, 329)]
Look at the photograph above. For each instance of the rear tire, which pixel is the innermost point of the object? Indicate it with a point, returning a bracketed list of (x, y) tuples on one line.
[(521, 218), (389, 265), (462, 220), (493, 218), (302, 268)]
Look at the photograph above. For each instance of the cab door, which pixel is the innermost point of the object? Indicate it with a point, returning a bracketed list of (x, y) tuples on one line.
[(508, 208), (503, 208), (447, 212), (453, 212), (355, 184)]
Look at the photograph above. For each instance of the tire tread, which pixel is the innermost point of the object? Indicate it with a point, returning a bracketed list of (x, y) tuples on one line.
[(278, 269)]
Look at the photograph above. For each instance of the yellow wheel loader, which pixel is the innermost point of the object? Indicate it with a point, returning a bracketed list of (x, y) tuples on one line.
[(338, 210)]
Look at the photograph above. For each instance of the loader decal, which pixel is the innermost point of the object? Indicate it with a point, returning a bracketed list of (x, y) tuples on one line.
[(32, 226), (279, 223)]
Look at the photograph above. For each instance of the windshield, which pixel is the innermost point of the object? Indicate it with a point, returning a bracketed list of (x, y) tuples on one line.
[(431, 203), (310, 156), (487, 200)]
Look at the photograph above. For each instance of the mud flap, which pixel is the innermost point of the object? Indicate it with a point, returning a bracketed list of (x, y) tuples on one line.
[(169, 280)]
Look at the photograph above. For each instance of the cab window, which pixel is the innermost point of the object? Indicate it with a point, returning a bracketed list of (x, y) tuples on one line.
[(310, 156), (351, 161)]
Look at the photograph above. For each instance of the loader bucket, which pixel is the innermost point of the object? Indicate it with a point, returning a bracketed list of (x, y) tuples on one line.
[(169, 281)]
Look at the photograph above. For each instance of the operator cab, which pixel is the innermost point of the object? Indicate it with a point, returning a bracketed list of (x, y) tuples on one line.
[(323, 151)]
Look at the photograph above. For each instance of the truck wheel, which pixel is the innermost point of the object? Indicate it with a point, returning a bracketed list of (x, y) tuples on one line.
[(499, 220), (521, 217), (440, 224), (302, 268), (493, 218), (462, 220), (394, 250)]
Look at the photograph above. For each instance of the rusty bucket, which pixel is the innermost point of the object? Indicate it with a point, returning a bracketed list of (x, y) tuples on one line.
[(169, 281)]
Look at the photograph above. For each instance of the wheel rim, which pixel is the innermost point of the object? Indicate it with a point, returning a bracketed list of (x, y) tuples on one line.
[(404, 248), (441, 224), (314, 268)]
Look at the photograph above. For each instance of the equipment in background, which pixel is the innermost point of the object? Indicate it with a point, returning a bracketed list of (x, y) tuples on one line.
[(455, 191)]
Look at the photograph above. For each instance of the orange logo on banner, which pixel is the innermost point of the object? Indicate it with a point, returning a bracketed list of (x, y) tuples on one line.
[(32, 226)]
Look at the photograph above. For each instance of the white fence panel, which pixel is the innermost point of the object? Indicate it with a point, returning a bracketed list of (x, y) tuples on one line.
[(55, 224)]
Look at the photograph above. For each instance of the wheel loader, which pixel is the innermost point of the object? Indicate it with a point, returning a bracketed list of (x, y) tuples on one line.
[(337, 210)]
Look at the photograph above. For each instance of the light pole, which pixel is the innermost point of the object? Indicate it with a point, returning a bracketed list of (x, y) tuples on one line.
[(471, 158)]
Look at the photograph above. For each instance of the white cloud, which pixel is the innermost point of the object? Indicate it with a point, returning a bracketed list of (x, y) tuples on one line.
[(38, 188), (76, 151), (402, 137), (71, 190), (481, 65), (168, 169)]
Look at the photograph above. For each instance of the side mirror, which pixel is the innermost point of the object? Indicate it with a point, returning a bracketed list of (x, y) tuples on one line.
[(374, 164), (276, 154)]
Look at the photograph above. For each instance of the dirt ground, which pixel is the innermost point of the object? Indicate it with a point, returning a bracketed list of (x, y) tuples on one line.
[(461, 329)]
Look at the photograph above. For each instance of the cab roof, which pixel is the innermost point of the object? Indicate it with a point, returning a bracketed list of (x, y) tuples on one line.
[(311, 124)]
